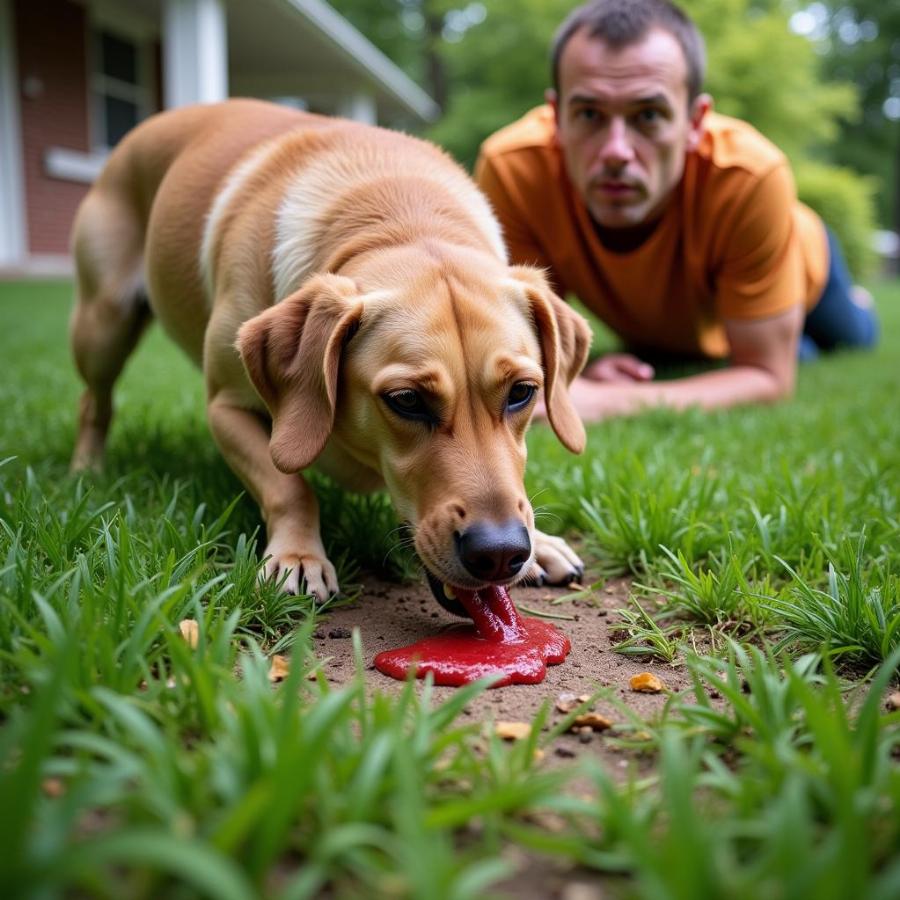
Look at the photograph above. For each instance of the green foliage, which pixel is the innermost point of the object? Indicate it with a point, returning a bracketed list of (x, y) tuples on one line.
[(761, 72), (846, 203), (498, 71), (713, 595), (857, 614), (644, 637), (396, 27), (859, 45)]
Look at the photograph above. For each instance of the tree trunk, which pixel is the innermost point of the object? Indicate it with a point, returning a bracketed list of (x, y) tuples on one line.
[(435, 70)]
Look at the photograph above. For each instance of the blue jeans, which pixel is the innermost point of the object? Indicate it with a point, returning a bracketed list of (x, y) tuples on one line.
[(836, 321)]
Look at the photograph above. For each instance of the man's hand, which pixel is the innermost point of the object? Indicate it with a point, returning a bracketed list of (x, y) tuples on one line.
[(762, 370), (592, 402), (618, 367), (596, 400)]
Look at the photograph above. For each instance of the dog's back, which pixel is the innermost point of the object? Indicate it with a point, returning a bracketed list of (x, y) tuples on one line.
[(287, 193), (184, 152)]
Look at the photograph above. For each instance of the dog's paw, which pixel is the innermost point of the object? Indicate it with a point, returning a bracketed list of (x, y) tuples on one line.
[(555, 562), (317, 573)]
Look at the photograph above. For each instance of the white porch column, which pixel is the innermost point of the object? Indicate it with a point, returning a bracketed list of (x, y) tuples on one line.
[(195, 52), (13, 240), (360, 107)]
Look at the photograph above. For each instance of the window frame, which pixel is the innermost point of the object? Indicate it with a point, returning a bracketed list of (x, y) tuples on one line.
[(142, 37)]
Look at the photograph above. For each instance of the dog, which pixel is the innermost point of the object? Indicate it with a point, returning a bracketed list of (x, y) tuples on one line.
[(346, 293)]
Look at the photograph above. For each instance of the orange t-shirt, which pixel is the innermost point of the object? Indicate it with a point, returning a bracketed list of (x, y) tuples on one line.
[(733, 243)]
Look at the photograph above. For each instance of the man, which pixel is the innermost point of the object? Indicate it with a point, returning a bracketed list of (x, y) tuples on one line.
[(678, 227)]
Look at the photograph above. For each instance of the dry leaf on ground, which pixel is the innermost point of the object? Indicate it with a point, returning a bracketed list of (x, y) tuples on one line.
[(279, 668), (190, 631)]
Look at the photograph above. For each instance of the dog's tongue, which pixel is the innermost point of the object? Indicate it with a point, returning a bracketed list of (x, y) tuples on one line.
[(496, 618), (502, 644)]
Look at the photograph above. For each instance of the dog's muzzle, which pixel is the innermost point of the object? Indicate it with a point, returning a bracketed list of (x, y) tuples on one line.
[(491, 553)]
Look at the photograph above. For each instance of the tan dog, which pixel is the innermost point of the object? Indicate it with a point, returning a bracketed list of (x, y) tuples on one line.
[(345, 290)]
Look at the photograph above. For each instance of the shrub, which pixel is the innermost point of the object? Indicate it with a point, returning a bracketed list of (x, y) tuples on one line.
[(845, 200)]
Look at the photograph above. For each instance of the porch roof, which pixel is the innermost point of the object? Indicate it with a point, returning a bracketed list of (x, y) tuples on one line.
[(305, 47)]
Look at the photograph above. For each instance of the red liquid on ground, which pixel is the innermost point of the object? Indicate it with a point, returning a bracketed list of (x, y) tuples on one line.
[(501, 642)]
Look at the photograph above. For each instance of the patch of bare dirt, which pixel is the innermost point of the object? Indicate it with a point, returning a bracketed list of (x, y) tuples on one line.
[(391, 615)]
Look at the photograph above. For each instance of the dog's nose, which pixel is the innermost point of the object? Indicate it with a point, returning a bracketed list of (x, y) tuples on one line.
[(494, 552)]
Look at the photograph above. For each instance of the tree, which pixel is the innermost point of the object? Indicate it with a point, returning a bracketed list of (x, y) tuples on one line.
[(860, 43), (761, 71), (396, 27), (413, 34)]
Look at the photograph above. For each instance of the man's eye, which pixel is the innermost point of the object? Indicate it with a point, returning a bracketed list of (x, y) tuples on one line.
[(649, 116), (408, 404), (586, 114), (520, 395)]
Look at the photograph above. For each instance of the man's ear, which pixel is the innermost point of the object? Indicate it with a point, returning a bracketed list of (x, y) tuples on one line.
[(700, 106), (565, 340), (552, 100), (292, 353)]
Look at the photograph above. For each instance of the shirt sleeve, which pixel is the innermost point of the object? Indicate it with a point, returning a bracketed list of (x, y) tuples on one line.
[(761, 273), (521, 243)]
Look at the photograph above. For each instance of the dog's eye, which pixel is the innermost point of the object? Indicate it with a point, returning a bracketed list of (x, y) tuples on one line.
[(520, 395), (408, 404)]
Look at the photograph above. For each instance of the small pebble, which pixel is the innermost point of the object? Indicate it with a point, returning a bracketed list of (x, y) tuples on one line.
[(581, 891), (512, 731), (592, 721), (338, 633), (647, 683), (279, 668), (53, 787)]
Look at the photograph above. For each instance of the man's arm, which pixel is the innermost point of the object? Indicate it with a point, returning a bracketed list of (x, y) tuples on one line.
[(762, 369)]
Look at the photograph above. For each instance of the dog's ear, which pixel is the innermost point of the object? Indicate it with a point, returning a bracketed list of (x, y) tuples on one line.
[(292, 353), (565, 340)]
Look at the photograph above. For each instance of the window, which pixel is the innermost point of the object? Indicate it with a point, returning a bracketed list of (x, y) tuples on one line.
[(120, 83)]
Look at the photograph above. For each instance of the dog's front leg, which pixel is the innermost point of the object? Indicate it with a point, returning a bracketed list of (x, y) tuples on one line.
[(555, 562), (288, 504)]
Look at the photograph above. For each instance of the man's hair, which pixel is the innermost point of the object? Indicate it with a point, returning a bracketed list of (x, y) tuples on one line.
[(621, 23)]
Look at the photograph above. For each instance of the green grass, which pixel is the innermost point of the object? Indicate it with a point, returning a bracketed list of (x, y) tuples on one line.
[(134, 766)]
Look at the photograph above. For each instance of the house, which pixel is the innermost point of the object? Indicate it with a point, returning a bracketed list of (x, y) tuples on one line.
[(75, 75)]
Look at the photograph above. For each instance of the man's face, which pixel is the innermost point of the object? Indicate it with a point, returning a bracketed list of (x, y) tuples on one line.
[(624, 124)]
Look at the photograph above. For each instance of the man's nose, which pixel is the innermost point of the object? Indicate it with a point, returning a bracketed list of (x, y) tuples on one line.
[(616, 150)]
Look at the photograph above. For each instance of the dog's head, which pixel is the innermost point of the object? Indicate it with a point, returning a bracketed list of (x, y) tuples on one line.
[(432, 385)]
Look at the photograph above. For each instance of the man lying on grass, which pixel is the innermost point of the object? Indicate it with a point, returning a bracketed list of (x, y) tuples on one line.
[(678, 227)]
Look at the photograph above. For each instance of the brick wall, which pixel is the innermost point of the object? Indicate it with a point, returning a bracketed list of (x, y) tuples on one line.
[(51, 43)]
